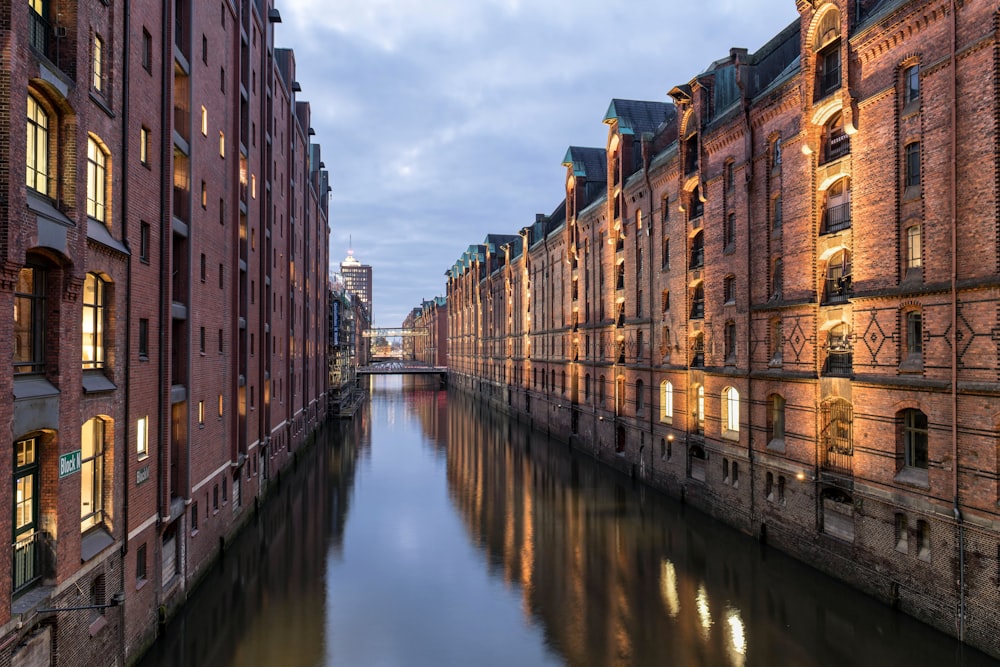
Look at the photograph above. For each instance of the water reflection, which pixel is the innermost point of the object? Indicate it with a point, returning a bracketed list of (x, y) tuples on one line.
[(618, 574), (472, 541)]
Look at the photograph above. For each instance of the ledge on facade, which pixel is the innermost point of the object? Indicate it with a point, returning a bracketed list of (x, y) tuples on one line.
[(778, 372), (94, 542), (33, 386), (95, 382), (783, 304), (900, 381)]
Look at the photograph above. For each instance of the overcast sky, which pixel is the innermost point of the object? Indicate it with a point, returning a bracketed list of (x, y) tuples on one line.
[(444, 120)]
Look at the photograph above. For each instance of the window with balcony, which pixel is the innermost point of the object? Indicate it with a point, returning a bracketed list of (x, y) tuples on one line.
[(697, 206), (837, 286), (698, 301), (837, 209), (697, 251), (839, 353), (27, 550), (37, 161), (836, 141), (698, 350), (827, 59), (836, 437), (94, 294)]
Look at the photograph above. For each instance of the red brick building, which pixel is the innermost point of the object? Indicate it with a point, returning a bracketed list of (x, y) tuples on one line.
[(775, 296), (163, 235)]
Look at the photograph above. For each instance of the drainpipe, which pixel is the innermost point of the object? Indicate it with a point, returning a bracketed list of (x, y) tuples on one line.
[(128, 269), (956, 507), (748, 137)]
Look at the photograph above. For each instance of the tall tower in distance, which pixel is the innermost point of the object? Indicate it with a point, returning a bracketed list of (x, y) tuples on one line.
[(358, 280)]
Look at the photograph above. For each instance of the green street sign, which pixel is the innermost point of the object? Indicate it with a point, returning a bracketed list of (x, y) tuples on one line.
[(69, 464)]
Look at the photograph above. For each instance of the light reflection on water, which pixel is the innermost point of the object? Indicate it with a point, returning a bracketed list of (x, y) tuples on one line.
[(445, 535)]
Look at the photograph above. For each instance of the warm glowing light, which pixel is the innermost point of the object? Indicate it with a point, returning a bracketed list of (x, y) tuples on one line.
[(737, 632), (704, 612), (801, 476), (668, 588)]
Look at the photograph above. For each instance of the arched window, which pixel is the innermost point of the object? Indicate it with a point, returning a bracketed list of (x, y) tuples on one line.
[(837, 288), (827, 48), (836, 141), (731, 409), (837, 214), (911, 162), (666, 401), (37, 161), (93, 321)]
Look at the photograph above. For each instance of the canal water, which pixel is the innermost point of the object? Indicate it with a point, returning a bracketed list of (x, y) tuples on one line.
[(431, 531)]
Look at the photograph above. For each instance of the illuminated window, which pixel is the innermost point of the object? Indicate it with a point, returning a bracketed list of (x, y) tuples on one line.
[(96, 180), (731, 409), (98, 64), (914, 258), (666, 401), (204, 121), (92, 474), (144, 145), (94, 291), (38, 147), (201, 413), (222, 144), (142, 437), (220, 405), (699, 409)]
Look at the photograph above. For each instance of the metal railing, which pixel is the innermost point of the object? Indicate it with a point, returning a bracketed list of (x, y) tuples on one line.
[(836, 218), (27, 561)]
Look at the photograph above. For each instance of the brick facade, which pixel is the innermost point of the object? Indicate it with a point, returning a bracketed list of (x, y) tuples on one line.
[(776, 297), (176, 199)]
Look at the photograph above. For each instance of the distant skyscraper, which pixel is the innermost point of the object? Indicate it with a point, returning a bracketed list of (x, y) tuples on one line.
[(358, 279)]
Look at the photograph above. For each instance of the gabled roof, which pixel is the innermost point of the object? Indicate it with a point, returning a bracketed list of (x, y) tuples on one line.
[(588, 163), (638, 117)]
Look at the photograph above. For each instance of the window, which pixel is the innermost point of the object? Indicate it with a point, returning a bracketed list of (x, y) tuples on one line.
[(222, 276), (144, 242), (640, 397), (769, 487), (729, 232), (665, 300), (92, 474), (26, 478), (840, 355), (729, 176), (664, 209), (665, 347), (836, 141), (697, 207), (220, 405), (93, 321), (143, 338), (220, 341), (827, 48), (194, 513), (29, 321), (837, 436), (837, 215), (96, 180), (914, 346), (731, 409), (776, 214), (38, 147), (729, 289), (144, 146), (914, 257), (775, 421), (142, 437), (698, 301), (201, 413), (911, 84), (201, 340), (912, 165), (923, 540), (699, 409), (665, 249), (39, 27), (776, 153), (140, 564), (666, 401), (914, 425), (98, 64), (147, 51), (222, 79), (698, 350), (204, 49), (222, 144), (838, 278), (729, 339)]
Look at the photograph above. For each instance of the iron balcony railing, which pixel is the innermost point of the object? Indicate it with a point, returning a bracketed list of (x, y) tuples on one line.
[(839, 363), (837, 218), (28, 552)]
